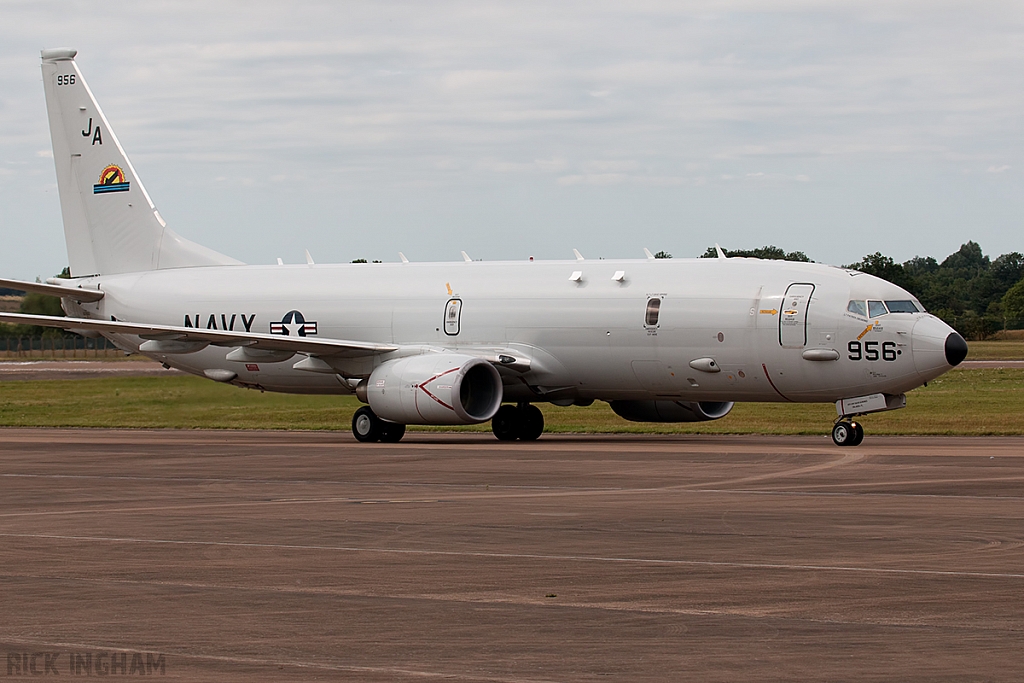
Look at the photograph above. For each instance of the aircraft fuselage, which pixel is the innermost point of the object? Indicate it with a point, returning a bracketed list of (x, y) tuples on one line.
[(720, 330)]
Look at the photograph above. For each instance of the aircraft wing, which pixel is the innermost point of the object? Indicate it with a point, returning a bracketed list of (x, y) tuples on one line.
[(317, 346), (76, 293)]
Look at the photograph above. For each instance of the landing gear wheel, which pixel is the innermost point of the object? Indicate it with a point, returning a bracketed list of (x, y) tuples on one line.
[(366, 426), (858, 434), (531, 422), (844, 433), (392, 432), (506, 423), (524, 422)]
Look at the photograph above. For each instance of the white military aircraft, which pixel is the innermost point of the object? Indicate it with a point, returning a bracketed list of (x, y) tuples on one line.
[(461, 343)]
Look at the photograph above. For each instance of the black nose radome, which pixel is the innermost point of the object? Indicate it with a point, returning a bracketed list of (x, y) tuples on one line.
[(956, 349)]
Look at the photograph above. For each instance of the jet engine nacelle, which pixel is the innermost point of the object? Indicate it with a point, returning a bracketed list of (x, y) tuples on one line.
[(435, 389), (671, 411)]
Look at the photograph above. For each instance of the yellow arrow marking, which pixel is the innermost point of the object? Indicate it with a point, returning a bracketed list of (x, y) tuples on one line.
[(768, 311), (866, 330), (449, 288)]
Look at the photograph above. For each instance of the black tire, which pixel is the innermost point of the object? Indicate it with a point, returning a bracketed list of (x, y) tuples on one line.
[(843, 433), (858, 434), (366, 426), (531, 422), (392, 432), (506, 423)]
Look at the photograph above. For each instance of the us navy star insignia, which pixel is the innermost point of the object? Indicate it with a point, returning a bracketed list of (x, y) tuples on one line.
[(293, 324)]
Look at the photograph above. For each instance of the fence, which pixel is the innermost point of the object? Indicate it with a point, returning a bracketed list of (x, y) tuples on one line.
[(57, 347)]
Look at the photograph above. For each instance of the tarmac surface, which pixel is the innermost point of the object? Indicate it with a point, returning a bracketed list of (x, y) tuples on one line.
[(227, 556), (991, 364)]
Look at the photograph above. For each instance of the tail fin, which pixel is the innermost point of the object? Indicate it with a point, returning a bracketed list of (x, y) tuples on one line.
[(110, 223)]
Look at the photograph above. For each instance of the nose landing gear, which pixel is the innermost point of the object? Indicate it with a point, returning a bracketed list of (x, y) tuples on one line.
[(847, 433)]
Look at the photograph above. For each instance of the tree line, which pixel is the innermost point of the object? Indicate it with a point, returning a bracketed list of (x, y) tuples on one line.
[(35, 304), (975, 294)]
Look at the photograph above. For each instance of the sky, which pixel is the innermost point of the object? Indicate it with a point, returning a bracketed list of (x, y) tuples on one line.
[(510, 130)]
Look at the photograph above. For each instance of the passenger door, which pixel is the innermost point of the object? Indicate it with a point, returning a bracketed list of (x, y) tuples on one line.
[(793, 316)]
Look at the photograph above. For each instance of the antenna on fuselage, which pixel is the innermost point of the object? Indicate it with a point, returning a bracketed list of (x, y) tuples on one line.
[(309, 258), (402, 256), (650, 256), (465, 257), (579, 256), (721, 254)]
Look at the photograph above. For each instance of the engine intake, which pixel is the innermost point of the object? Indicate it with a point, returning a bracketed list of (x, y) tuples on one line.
[(435, 389), (671, 411)]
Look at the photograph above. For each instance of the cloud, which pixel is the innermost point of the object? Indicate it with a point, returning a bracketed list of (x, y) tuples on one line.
[(407, 116), (762, 177), (551, 165), (594, 179)]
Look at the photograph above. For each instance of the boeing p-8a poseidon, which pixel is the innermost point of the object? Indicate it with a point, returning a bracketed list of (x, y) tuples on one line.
[(450, 343)]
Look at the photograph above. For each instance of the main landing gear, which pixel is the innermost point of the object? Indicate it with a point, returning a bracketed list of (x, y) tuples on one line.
[(367, 427), (524, 422), (847, 433)]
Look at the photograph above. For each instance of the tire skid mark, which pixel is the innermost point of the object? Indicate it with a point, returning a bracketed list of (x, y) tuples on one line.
[(529, 556)]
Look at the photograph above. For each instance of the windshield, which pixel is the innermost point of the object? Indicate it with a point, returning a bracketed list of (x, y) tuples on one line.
[(902, 306), (875, 309)]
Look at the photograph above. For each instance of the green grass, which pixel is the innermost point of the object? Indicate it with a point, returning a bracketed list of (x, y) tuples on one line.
[(960, 402), (1009, 349)]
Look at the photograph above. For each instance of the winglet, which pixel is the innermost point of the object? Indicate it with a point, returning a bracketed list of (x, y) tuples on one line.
[(650, 256), (721, 254), (60, 54)]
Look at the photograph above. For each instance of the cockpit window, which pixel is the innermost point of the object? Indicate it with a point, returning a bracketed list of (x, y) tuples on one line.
[(876, 309), (902, 306), (858, 307)]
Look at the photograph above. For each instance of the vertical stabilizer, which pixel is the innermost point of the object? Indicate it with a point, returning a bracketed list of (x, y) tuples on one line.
[(110, 223)]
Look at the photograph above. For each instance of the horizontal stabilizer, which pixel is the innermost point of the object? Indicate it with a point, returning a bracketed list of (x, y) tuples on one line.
[(76, 293), (271, 342)]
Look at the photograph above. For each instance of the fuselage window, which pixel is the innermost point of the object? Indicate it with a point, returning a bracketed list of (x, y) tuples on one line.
[(653, 310), (876, 309), (452, 317), (901, 306), (858, 307)]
